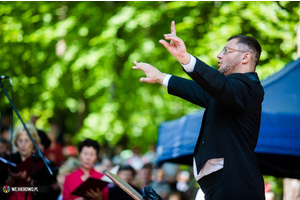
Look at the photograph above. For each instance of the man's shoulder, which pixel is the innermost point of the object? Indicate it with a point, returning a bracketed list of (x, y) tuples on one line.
[(245, 77), (249, 80)]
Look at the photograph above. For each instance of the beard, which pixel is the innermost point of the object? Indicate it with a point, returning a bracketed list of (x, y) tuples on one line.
[(228, 67), (224, 69)]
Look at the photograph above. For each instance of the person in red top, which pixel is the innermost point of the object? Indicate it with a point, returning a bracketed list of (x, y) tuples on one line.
[(88, 151)]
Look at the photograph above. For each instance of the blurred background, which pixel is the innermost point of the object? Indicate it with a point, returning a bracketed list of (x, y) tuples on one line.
[(71, 62)]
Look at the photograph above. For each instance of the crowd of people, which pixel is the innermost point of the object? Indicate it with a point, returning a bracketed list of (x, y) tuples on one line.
[(72, 165)]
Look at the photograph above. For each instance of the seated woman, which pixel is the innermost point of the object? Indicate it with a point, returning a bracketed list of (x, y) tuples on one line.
[(25, 149), (88, 151)]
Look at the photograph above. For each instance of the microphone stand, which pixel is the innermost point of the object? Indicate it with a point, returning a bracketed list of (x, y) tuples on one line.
[(35, 158), (34, 143)]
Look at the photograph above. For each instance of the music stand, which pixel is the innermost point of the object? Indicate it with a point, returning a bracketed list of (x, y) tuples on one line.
[(123, 185)]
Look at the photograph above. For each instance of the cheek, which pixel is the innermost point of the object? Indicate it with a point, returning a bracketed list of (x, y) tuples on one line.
[(81, 158), (95, 158), (91, 160), (30, 146)]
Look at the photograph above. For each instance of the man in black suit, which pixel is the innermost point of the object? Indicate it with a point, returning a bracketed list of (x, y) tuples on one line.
[(224, 162)]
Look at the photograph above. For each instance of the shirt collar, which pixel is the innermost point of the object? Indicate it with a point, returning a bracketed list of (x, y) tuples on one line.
[(253, 76), (91, 172)]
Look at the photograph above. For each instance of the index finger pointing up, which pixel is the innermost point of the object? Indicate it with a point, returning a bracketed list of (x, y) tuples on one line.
[(173, 30)]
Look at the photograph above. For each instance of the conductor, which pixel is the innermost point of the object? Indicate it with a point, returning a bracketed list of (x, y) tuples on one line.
[(224, 162)]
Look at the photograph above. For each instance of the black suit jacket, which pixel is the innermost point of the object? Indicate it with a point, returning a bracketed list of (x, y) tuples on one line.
[(230, 125)]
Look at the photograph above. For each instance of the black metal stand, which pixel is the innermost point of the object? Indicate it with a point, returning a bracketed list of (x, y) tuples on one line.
[(35, 145), (35, 158)]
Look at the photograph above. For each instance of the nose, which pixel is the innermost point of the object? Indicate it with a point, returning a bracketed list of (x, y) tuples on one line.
[(220, 55), (22, 145)]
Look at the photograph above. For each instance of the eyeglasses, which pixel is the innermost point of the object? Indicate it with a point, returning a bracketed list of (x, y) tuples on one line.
[(227, 50)]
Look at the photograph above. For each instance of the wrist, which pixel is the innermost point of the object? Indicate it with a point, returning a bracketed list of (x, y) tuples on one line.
[(186, 59), (161, 79)]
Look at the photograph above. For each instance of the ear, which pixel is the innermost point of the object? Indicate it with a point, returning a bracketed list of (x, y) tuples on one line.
[(246, 58)]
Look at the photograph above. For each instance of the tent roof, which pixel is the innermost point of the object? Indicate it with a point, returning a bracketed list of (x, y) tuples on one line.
[(280, 121), (282, 91), (177, 138)]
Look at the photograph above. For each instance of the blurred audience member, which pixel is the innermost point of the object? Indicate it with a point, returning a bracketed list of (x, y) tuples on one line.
[(177, 196), (69, 149), (55, 151), (145, 176), (63, 171), (170, 173), (88, 153), (150, 155), (117, 159), (69, 166), (127, 173), (4, 147), (33, 119), (45, 141), (135, 161), (160, 185), (183, 178), (56, 128), (106, 164), (25, 148), (5, 133), (72, 163)]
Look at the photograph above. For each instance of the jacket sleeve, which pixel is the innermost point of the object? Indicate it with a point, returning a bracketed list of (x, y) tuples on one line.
[(235, 90), (188, 90)]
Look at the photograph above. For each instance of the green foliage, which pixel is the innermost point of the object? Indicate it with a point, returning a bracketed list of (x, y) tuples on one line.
[(72, 61), (275, 183)]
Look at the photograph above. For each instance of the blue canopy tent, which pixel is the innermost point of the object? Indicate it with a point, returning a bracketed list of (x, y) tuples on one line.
[(278, 147)]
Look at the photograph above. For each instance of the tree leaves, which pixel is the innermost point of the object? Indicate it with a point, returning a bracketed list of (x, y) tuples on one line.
[(72, 61)]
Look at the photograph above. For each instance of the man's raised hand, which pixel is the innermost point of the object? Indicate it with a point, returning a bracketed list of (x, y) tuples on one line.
[(153, 75), (176, 46)]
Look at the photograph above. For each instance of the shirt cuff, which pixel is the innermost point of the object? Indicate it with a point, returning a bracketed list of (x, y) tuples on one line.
[(166, 80), (191, 65)]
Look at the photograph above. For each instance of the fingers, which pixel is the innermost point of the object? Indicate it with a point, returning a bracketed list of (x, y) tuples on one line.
[(24, 174), (90, 193), (173, 30), (166, 44), (141, 67), (138, 66), (93, 194), (20, 174), (172, 37), (14, 174), (152, 74), (145, 80)]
